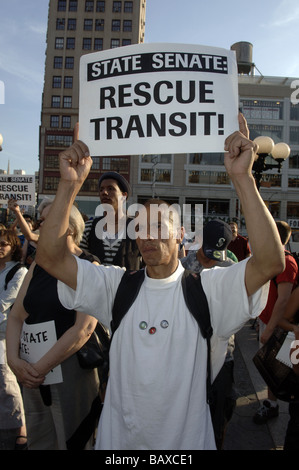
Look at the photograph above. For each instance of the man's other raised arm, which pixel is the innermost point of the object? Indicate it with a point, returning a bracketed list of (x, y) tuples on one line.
[(267, 252), (52, 253)]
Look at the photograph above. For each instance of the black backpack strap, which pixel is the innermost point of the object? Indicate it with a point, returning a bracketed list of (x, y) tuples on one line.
[(126, 294), (11, 274), (197, 303)]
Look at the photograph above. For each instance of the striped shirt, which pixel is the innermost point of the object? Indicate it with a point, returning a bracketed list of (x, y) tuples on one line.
[(110, 244)]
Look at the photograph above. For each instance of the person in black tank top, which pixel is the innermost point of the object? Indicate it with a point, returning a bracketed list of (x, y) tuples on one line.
[(53, 411)]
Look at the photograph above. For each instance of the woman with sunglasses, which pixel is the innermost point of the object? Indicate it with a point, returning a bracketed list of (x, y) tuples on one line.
[(11, 404)]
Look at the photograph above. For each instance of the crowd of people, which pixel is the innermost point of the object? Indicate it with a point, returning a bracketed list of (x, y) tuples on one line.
[(65, 281)]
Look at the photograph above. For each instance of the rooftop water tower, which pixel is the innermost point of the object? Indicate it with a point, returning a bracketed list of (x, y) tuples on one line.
[(244, 57)]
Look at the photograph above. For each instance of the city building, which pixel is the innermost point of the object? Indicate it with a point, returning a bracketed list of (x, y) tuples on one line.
[(77, 27)]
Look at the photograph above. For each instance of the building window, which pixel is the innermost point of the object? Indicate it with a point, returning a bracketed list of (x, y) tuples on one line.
[(54, 121), (66, 122), (51, 162), (275, 132), (90, 185), (61, 5), (294, 159), (212, 208), (270, 180), (59, 43), (121, 165), (273, 207), (208, 177), (293, 181), (99, 26), (128, 7), (89, 6), (157, 159), (127, 26), (70, 43), (69, 62), (115, 25), (55, 102), (51, 183), (206, 159), (86, 44), (95, 163), (67, 101), (156, 168), (88, 25), (60, 23), (262, 109), (68, 82), (100, 7), (98, 44), (114, 43), (126, 42), (294, 135), (73, 5), (147, 175), (72, 24), (116, 8), (294, 113), (59, 141), (57, 62), (293, 212), (56, 82)]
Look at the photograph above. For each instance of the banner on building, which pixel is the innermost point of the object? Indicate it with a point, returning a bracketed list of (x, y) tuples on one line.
[(158, 98), (19, 187)]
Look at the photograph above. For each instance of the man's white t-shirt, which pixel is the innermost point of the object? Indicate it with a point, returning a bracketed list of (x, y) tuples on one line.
[(156, 393)]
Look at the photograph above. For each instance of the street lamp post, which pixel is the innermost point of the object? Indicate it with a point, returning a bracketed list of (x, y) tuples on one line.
[(267, 149), (1, 142)]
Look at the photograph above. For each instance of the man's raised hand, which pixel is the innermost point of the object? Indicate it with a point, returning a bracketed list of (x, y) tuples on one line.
[(240, 151)]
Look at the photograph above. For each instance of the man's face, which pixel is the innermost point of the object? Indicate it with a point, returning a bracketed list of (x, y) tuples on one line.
[(110, 193), (234, 229), (157, 244)]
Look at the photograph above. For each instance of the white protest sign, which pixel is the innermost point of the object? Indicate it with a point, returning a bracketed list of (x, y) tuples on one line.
[(36, 340), (158, 98), (19, 187)]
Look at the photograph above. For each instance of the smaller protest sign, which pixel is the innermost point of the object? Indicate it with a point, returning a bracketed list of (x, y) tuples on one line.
[(19, 187), (36, 340)]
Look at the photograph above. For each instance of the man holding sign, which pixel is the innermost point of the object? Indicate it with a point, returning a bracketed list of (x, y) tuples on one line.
[(156, 393)]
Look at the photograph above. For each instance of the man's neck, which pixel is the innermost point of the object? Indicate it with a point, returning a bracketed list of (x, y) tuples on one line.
[(162, 271)]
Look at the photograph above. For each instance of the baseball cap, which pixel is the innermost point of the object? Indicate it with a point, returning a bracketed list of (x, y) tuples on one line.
[(123, 184), (216, 237)]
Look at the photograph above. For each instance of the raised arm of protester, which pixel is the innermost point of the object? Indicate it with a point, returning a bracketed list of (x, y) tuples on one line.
[(25, 229), (75, 164), (267, 258)]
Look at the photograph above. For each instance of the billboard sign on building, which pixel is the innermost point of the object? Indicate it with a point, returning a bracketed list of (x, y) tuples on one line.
[(158, 98), (19, 187)]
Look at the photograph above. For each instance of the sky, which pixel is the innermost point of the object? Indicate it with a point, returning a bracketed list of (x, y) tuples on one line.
[(271, 26)]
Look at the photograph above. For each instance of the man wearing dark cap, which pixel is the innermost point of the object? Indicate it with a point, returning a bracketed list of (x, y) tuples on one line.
[(112, 246), (216, 237)]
